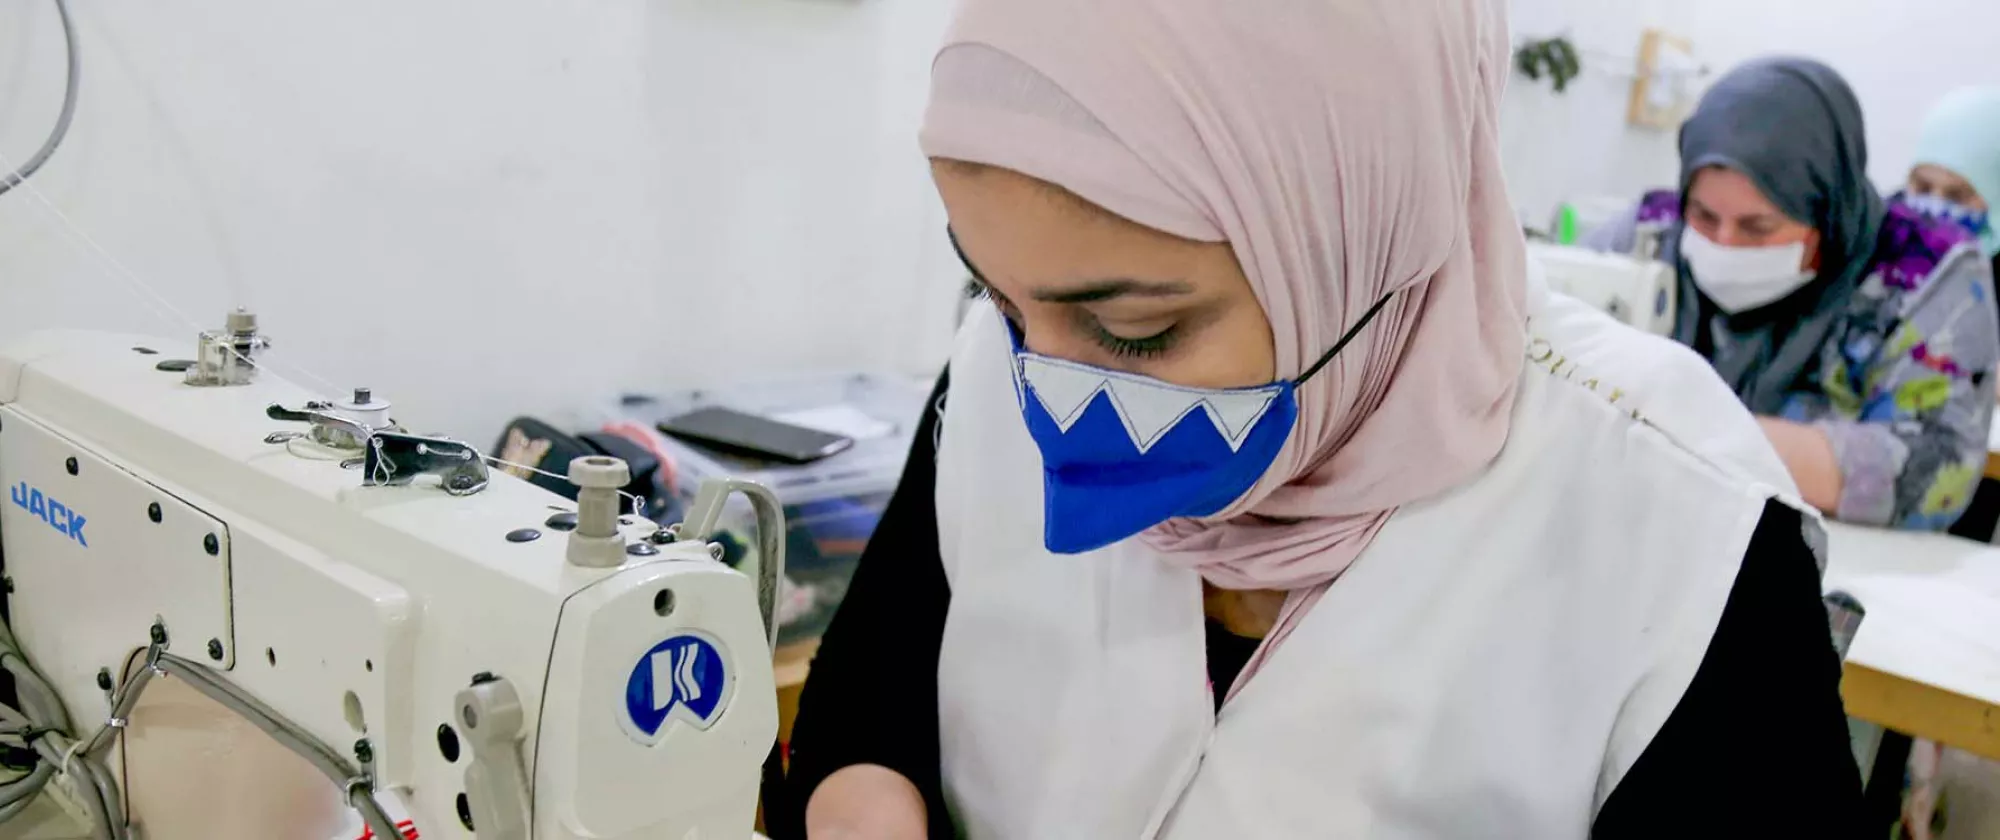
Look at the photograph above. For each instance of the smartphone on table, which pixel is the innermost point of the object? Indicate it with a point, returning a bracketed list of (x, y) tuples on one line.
[(739, 433)]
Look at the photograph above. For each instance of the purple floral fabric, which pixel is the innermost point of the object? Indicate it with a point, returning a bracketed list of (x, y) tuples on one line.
[(1660, 207)]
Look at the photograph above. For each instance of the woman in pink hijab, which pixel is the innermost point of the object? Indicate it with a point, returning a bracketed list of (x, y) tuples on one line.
[(1269, 496)]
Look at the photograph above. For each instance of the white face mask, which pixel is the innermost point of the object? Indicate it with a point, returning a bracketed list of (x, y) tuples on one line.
[(1742, 279)]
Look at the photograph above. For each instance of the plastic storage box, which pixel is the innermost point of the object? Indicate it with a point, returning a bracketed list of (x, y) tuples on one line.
[(831, 505)]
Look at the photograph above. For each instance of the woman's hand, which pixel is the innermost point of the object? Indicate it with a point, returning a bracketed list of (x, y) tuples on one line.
[(865, 802)]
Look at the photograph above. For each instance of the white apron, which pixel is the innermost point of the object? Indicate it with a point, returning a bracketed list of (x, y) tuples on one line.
[(1491, 666)]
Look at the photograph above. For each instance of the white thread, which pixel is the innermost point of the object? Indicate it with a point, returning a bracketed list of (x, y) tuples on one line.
[(112, 266), (69, 756), (95, 249), (326, 453), (558, 477), (289, 371), (381, 474)]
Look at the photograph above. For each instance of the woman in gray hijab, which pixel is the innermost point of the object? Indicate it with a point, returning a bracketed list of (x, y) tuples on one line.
[(1863, 335)]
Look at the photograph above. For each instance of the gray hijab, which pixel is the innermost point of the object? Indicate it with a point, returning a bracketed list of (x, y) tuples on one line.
[(1794, 128)]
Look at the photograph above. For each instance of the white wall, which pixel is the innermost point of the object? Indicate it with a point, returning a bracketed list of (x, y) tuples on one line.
[(1899, 55), (516, 206), (489, 207)]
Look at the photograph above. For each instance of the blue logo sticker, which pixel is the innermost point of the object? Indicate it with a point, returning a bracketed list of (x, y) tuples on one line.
[(44, 507), (685, 677)]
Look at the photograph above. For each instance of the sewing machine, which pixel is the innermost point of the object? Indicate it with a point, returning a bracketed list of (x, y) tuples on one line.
[(270, 615), (1639, 292)]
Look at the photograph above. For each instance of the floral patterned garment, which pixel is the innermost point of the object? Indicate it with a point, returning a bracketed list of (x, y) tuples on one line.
[(1904, 390)]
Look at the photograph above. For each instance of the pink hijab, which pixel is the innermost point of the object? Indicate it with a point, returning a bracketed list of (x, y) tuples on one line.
[(1345, 149)]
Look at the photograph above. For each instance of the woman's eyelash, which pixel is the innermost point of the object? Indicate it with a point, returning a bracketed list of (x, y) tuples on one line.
[(977, 289), (1151, 346)]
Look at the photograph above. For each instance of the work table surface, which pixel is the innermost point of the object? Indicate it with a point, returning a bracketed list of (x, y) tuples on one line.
[(1928, 652)]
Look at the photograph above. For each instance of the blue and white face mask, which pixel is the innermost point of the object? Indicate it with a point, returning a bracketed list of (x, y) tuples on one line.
[(1122, 453), (1978, 222)]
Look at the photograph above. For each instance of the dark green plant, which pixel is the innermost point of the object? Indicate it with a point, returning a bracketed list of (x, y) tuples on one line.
[(1555, 58)]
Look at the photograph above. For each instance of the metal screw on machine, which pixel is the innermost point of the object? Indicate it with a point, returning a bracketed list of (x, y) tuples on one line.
[(215, 649), (596, 542)]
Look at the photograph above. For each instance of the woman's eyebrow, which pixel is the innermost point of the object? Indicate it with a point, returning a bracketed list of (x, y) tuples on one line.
[(1096, 291), (1093, 291)]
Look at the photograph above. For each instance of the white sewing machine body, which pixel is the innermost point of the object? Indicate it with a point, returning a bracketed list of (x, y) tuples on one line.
[(359, 613), (1639, 292)]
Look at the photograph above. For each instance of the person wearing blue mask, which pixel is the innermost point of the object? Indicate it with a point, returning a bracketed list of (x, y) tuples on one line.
[(1269, 495), (1956, 176), (1862, 333)]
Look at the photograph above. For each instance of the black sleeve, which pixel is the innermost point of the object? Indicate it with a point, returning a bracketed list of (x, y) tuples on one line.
[(871, 696), (1758, 746)]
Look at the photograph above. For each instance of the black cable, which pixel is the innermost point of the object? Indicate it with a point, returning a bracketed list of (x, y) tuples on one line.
[(21, 759), (61, 129)]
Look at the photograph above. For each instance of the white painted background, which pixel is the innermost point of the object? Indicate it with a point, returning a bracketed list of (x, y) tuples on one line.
[(1899, 55), (491, 207)]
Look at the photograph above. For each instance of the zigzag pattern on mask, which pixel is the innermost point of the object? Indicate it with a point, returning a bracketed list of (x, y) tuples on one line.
[(1147, 407)]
